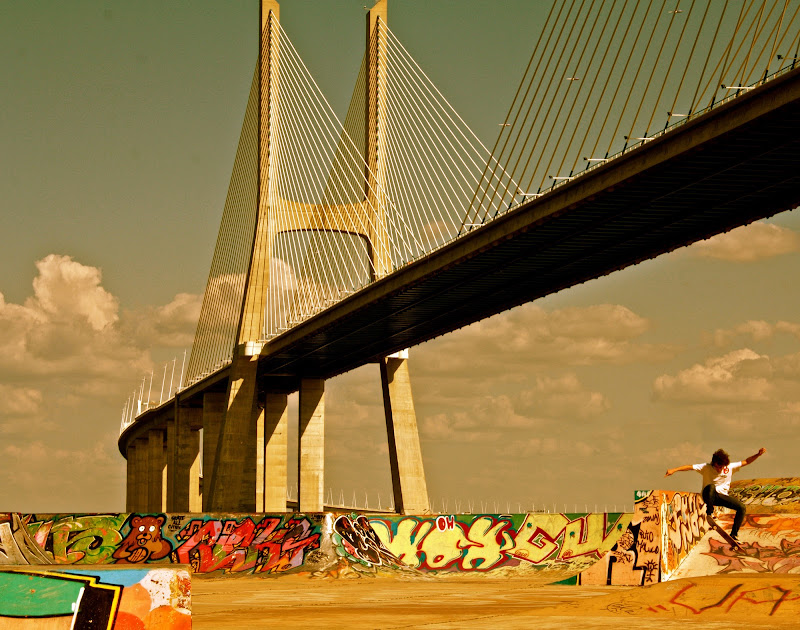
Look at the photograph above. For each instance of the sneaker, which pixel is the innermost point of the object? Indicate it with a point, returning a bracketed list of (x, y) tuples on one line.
[(735, 538)]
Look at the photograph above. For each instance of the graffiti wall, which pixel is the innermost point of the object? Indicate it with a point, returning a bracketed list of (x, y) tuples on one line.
[(770, 544), (664, 528), (685, 524), (103, 598), (355, 541), (555, 545), (772, 496), (265, 544)]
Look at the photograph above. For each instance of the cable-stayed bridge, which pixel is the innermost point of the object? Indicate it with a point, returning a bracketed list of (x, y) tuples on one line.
[(636, 129)]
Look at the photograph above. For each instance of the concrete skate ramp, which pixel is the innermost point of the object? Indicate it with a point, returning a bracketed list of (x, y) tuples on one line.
[(769, 496), (770, 545)]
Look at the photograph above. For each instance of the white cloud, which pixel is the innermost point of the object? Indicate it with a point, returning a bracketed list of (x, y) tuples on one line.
[(675, 455), (735, 397), (754, 330), (458, 426), (740, 376), (68, 360), (749, 243), (488, 417), (39, 453), (171, 325), (19, 401), (562, 397), (531, 336), (66, 289), (68, 328), (535, 446)]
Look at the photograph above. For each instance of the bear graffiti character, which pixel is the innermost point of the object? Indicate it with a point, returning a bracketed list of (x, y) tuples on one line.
[(143, 542)]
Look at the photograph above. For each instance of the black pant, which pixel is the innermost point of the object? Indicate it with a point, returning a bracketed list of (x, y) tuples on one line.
[(712, 498)]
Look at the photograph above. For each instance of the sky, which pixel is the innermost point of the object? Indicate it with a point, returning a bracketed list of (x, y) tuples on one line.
[(118, 130)]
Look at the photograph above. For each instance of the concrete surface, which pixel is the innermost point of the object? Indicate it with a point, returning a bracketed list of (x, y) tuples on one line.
[(471, 602)]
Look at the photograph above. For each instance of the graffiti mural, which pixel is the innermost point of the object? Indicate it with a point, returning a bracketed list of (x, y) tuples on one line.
[(685, 525), (668, 538), (354, 538), (770, 544), (17, 546), (665, 538), (636, 557), (271, 545), (555, 543), (261, 543), (143, 542), (769, 495), (738, 602), (556, 546), (664, 528), (693, 598)]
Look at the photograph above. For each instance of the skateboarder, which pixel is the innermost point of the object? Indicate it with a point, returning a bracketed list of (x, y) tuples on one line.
[(717, 484)]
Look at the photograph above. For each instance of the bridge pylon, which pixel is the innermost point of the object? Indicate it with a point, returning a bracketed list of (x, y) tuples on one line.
[(247, 470)]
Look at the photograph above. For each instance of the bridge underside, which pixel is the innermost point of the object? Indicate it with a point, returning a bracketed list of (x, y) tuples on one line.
[(735, 164)]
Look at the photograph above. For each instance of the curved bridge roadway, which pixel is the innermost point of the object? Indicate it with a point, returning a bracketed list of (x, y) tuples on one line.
[(732, 165)]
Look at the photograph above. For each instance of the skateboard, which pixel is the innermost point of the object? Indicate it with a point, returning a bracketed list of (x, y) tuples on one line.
[(725, 535)]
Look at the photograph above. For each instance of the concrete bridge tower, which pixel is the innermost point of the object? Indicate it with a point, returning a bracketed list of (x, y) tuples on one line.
[(245, 428)]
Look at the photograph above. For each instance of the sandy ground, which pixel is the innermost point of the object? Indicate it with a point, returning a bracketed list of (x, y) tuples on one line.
[(301, 602)]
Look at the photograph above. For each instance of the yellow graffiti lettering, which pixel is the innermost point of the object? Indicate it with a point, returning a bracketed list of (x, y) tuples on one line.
[(404, 543), (441, 548), (484, 551), (537, 539), (587, 535)]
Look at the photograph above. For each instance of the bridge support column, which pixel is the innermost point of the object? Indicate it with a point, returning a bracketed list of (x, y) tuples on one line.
[(405, 454), (130, 484), (233, 483), (272, 477), (183, 460), (140, 474), (311, 458), (156, 467), (213, 412)]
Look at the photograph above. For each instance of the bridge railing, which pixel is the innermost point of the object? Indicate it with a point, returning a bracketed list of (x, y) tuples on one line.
[(142, 398), (601, 73)]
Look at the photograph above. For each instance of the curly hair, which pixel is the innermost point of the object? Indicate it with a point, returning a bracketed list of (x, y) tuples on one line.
[(720, 458)]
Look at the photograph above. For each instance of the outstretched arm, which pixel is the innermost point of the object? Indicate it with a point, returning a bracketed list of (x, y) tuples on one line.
[(753, 458), (672, 471)]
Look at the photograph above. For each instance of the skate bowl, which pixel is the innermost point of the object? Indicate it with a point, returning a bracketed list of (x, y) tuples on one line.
[(665, 538)]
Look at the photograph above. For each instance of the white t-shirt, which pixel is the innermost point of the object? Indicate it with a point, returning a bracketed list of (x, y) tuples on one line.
[(722, 479)]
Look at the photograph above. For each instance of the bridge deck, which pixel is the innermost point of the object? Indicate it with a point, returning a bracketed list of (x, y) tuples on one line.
[(735, 164)]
